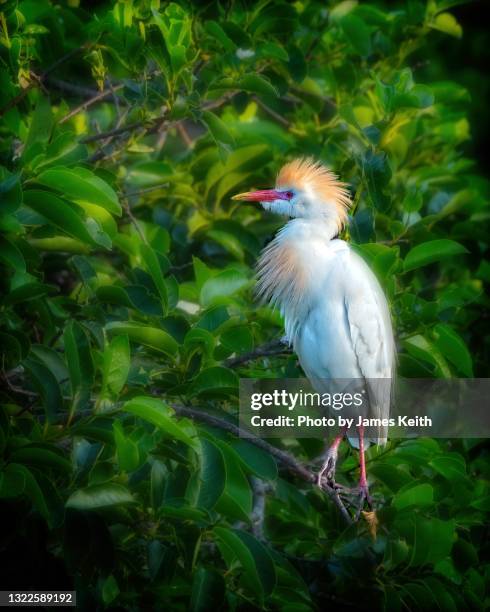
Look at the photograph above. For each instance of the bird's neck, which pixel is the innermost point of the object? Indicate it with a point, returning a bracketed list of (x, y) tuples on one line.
[(289, 265)]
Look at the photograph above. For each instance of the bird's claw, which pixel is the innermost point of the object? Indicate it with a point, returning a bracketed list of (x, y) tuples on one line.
[(363, 497), (327, 471)]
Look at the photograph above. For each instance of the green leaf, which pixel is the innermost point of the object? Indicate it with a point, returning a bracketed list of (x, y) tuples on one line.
[(377, 173), (152, 264), (236, 500), (20, 480), (127, 450), (394, 478), (224, 284), (80, 363), (418, 495), (227, 241), (110, 589), (447, 23), (357, 33), (183, 513), (147, 174), (208, 590), (212, 474), (132, 296), (429, 252), (10, 192), (238, 339), (11, 255), (255, 460), (441, 594), (431, 539), (413, 201), (452, 346), (160, 414), (396, 552), (451, 465), (254, 83), (41, 458), (59, 213), (253, 557), (154, 338), (216, 31), (117, 361), (79, 184), (99, 496), (27, 292), (217, 128), (215, 379), (213, 318), (47, 386), (41, 124), (64, 150), (421, 348), (201, 272), (157, 483), (270, 49), (10, 350)]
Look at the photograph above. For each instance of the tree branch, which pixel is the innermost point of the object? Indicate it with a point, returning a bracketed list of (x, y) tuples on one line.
[(283, 457), (260, 490), (287, 460), (76, 90), (114, 132), (274, 347)]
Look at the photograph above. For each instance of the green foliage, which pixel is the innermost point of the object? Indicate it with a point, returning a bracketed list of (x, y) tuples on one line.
[(127, 292)]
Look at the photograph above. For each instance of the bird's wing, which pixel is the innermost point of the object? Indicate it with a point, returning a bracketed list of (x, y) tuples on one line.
[(369, 323)]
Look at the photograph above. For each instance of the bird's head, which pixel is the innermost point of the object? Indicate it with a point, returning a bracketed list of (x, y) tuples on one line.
[(304, 188)]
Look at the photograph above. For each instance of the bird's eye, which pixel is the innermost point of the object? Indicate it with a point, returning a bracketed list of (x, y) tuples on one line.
[(289, 195)]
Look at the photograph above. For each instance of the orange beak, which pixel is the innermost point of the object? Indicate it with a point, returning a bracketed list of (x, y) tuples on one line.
[(266, 195)]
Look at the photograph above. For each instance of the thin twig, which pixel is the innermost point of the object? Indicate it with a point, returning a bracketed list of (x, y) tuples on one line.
[(180, 267), (151, 126), (18, 390), (130, 194), (114, 132), (65, 58), (219, 101), (129, 212), (134, 221), (101, 153), (37, 80), (100, 96), (185, 136), (279, 118), (114, 97), (77, 90)]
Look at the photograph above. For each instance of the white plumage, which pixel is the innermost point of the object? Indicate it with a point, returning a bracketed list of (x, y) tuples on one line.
[(336, 315), (339, 324)]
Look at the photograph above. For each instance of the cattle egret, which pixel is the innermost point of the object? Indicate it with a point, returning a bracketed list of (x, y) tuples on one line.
[(336, 315)]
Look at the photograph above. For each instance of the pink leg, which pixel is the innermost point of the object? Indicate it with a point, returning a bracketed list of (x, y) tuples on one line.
[(330, 461), (363, 485), (362, 460)]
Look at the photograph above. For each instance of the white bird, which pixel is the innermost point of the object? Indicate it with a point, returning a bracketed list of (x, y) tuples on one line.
[(336, 315)]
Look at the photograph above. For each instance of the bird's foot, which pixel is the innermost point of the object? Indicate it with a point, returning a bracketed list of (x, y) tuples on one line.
[(327, 472), (363, 497)]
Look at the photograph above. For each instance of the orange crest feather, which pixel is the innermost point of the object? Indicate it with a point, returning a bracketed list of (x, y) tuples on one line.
[(306, 173)]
